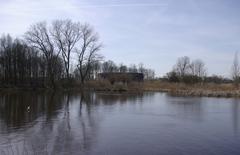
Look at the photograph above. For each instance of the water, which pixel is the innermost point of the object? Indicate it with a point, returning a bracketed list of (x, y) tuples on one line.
[(118, 124)]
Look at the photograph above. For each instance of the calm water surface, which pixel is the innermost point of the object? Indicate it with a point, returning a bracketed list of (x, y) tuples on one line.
[(118, 124)]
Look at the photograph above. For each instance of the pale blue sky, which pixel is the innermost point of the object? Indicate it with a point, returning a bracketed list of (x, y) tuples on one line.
[(155, 32)]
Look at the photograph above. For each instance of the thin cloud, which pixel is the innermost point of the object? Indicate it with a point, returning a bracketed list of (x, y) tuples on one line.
[(125, 5), (97, 6), (157, 32)]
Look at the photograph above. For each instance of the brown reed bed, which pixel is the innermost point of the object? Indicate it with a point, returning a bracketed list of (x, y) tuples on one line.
[(181, 89)]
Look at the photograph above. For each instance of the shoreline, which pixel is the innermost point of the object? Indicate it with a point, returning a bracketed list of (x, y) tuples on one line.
[(174, 89), (195, 90), (199, 93)]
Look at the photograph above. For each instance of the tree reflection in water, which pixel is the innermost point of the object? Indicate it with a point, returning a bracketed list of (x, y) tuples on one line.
[(98, 123), (42, 123), (53, 122), (236, 116)]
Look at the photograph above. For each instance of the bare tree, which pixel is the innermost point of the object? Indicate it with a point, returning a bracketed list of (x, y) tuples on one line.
[(38, 57), (109, 66), (88, 51), (95, 69), (140, 68), (66, 34), (149, 74), (197, 68), (236, 69), (22, 65), (123, 68), (39, 37), (182, 65), (132, 68)]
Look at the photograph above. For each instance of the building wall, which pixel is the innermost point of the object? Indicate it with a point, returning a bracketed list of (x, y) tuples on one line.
[(121, 77)]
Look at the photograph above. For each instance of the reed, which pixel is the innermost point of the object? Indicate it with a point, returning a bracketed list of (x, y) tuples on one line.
[(181, 89)]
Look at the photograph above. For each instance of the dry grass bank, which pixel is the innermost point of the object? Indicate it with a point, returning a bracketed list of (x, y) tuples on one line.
[(207, 89), (178, 89)]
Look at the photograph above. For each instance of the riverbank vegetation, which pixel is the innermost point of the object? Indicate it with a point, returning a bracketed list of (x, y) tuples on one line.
[(198, 89), (189, 78), (66, 55), (63, 54)]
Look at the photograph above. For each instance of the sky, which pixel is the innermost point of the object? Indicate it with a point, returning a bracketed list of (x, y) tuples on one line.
[(153, 32)]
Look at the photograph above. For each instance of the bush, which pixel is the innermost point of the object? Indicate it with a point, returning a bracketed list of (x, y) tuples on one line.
[(173, 77), (191, 79)]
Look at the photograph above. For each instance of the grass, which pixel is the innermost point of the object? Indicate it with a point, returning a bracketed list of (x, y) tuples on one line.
[(181, 89), (178, 89)]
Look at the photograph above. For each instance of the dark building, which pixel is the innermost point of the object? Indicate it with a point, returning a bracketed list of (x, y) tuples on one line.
[(121, 77)]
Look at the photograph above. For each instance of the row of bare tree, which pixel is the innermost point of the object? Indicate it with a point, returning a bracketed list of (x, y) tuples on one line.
[(65, 39), (187, 71), (111, 67), (58, 52), (46, 53), (20, 64), (195, 71)]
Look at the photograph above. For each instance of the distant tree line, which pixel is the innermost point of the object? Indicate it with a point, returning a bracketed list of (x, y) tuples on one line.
[(187, 71), (111, 67), (56, 54), (22, 65), (191, 72)]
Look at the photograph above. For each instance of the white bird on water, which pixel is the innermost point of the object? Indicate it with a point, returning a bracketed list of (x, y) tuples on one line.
[(28, 108)]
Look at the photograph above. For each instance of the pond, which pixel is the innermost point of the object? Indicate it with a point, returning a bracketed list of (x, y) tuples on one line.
[(117, 124)]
